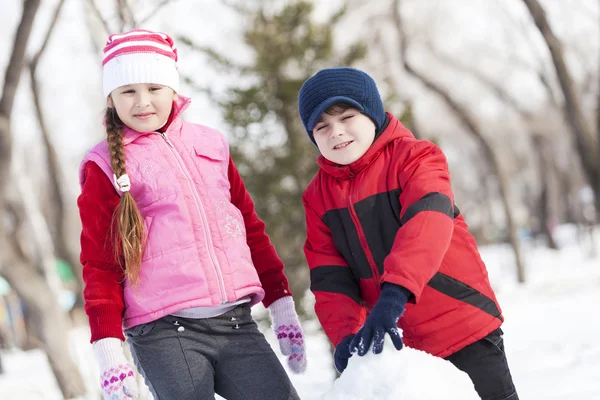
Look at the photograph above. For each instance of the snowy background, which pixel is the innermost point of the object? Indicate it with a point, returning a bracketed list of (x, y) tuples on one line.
[(552, 325)]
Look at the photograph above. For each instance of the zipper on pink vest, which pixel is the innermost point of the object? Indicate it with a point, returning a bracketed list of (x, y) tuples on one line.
[(202, 214)]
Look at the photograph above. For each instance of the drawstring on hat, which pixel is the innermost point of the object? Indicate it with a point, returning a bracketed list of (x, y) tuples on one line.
[(122, 183)]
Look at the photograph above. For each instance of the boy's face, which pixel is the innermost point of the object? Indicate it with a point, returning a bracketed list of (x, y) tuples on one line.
[(344, 136), (143, 107)]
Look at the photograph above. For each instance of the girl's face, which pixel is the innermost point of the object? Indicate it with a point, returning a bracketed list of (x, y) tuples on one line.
[(143, 107), (344, 137)]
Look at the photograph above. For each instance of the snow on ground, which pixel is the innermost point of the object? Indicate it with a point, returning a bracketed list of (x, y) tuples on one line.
[(551, 333)]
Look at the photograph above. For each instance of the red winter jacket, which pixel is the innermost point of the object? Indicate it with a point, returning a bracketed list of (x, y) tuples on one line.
[(103, 277), (390, 217)]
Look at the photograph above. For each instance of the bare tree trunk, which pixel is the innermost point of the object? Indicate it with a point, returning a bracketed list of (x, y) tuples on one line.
[(50, 326), (408, 115), (145, 19), (473, 127), (563, 177), (29, 285), (38, 237), (126, 17), (539, 148), (598, 115), (492, 84), (91, 5), (408, 118), (587, 147), (11, 82), (566, 193), (121, 12), (486, 198), (57, 198), (544, 213)]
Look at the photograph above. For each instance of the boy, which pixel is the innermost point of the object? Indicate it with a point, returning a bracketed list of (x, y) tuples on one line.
[(384, 239)]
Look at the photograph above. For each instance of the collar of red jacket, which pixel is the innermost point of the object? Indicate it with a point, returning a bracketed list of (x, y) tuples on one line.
[(173, 123), (395, 130)]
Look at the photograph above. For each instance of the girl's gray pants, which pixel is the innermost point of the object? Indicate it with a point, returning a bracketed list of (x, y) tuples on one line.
[(185, 359)]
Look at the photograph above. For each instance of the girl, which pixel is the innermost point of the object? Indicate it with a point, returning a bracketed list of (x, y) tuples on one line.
[(171, 246)]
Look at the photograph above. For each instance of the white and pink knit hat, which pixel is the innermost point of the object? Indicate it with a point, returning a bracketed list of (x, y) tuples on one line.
[(139, 56)]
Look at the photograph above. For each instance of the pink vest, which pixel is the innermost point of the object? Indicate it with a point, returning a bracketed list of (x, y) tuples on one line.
[(196, 253)]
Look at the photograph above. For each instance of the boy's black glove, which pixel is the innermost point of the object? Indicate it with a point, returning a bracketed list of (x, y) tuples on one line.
[(383, 318), (341, 354)]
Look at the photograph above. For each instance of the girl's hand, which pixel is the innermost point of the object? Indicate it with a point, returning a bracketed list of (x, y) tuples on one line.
[(289, 333), (117, 378)]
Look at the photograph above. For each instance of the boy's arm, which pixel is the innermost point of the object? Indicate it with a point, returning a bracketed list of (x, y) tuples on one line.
[(427, 218), (268, 264), (338, 302), (103, 276)]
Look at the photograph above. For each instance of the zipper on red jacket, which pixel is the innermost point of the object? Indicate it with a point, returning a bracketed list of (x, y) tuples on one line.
[(200, 208), (361, 235)]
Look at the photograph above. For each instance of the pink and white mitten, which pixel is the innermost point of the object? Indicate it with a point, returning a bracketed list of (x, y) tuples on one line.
[(289, 333), (117, 379)]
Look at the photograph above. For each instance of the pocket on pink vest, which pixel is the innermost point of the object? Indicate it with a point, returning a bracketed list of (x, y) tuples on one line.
[(212, 163)]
